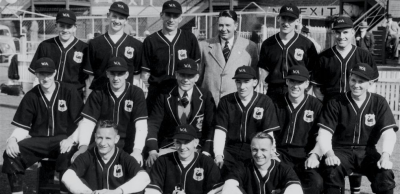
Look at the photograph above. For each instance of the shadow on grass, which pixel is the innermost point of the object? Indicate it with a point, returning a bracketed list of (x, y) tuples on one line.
[(30, 180), (8, 106)]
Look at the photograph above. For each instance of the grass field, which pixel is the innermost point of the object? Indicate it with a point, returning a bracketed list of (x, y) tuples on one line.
[(8, 105)]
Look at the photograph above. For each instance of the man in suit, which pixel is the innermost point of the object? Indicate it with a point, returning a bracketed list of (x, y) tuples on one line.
[(393, 31), (184, 104), (365, 39), (223, 54)]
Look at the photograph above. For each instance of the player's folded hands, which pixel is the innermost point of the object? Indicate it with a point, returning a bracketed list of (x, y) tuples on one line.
[(66, 145), (332, 159), (12, 149), (385, 162), (153, 155), (106, 191), (312, 162)]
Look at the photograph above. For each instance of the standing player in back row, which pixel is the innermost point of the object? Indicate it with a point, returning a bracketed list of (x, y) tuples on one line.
[(114, 43), (284, 50), (67, 52), (163, 49), (332, 69)]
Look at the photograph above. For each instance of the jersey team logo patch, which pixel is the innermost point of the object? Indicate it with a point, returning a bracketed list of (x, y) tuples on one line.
[(198, 174), (78, 56), (62, 105), (370, 120), (199, 123), (182, 54), (298, 54), (258, 113), (118, 171), (128, 105), (129, 52), (308, 116)]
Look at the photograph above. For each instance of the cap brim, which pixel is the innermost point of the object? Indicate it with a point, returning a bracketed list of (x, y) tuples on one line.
[(169, 10), (183, 136), (66, 21), (117, 69), (44, 70), (188, 71), (292, 15), (343, 26), (297, 78), (119, 11), (361, 75), (244, 76)]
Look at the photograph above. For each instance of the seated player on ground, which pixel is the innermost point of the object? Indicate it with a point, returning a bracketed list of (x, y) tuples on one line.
[(351, 124), (185, 103), (275, 177), (241, 114), (105, 168), (296, 112), (184, 171), (48, 113), (120, 101)]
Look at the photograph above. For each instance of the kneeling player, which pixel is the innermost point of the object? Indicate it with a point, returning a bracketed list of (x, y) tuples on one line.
[(105, 168), (351, 124), (184, 171), (48, 113), (296, 112), (262, 174)]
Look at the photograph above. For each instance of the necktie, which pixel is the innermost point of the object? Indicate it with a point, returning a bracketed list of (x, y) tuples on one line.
[(226, 51), (185, 100)]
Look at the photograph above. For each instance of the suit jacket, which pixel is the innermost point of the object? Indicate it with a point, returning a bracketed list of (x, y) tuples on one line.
[(367, 42), (215, 73), (163, 118), (393, 28)]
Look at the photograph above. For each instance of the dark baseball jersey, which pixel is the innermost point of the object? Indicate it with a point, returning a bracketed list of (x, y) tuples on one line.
[(200, 176), (102, 49), (69, 61), (124, 110), (161, 55), (241, 122), (298, 125), (43, 117), (332, 71), (164, 118), (354, 126), (278, 177), (277, 58), (98, 175)]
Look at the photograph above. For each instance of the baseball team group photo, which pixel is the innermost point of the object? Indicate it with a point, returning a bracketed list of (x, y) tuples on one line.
[(227, 101)]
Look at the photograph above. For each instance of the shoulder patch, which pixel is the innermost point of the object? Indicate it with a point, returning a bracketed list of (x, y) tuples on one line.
[(308, 116), (258, 113), (370, 120), (62, 105), (128, 105), (298, 54), (78, 56), (118, 171), (198, 174), (182, 54), (129, 52)]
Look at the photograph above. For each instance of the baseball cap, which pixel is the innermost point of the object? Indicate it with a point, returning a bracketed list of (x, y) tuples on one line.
[(290, 11), (66, 16), (298, 73), (228, 13), (172, 7), (45, 64), (305, 30), (343, 22), (117, 64), (185, 132), (245, 72), (187, 66), (120, 7), (363, 70)]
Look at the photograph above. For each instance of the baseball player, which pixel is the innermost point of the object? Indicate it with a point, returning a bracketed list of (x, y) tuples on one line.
[(49, 114), (68, 53), (121, 102), (240, 115), (163, 49), (114, 43), (351, 124), (105, 168), (296, 112), (184, 171), (284, 50), (184, 104), (333, 66), (262, 174)]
